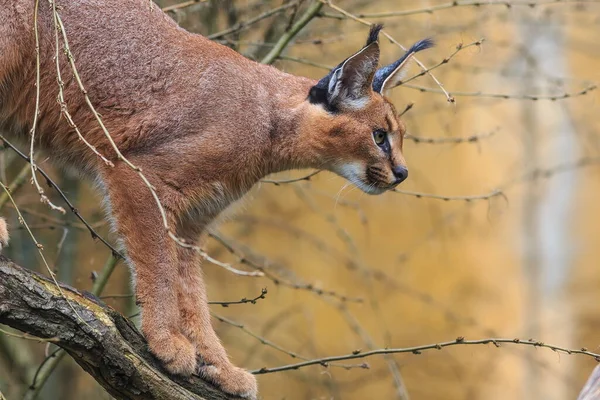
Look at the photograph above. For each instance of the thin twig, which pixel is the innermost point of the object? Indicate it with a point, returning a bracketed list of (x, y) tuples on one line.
[(182, 5), (305, 62), (43, 198), (264, 268), (436, 346), (455, 4), (459, 47), (63, 196), (352, 321), (331, 219), (420, 195), (244, 300), (230, 267), (277, 347), (451, 140), (509, 96), (17, 183), (262, 295), (284, 181), (471, 139), (245, 24), (55, 221), (61, 98)]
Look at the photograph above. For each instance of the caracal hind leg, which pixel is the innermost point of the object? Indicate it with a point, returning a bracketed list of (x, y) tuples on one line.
[(153, 257), (213, 363)]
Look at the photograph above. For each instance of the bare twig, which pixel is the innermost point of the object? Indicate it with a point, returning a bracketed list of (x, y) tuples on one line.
[(264, 268), (63, 196), (18, 182), (275, 346), (262, 295), (510, 96), (61, 98), (43, 198), (283, 181), (456, 4), (245, 300), (459, 47), (246, 24), (305, 62), (184, 4), (460, 341), (420, 195), (451, 140)]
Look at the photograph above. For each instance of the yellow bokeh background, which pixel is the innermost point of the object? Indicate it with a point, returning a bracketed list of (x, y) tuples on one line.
[(512, 253)]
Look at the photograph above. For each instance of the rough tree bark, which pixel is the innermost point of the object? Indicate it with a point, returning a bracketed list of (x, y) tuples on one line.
[(103, 342)]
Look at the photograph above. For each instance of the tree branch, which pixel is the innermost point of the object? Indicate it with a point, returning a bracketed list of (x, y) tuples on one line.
[(103, 342), (282, 43)]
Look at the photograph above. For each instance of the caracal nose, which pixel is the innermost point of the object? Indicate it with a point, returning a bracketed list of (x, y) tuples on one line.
[(400, 173)]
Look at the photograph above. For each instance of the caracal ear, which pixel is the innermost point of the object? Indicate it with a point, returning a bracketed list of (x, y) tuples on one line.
[(389, 76), (348, 86)]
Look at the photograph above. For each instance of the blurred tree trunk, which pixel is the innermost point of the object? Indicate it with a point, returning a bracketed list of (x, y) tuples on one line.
[(591, 390), (547, 208)]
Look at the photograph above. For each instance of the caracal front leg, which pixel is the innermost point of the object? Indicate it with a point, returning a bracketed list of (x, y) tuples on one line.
[(213, 363), (153, 258)]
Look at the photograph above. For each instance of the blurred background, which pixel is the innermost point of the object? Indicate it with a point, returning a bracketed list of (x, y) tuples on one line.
[(495, 234)]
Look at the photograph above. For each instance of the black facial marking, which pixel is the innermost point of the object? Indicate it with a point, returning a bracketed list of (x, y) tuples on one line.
[(375, 175)]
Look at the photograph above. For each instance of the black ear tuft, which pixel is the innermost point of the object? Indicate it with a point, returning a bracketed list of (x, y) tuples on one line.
[(374, 33), (422, 45), (383, 74)]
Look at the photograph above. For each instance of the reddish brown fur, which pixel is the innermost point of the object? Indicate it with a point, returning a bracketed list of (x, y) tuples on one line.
[(203, 123)]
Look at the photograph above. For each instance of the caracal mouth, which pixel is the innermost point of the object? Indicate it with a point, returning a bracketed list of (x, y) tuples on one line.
[(372, 189), (354, 174)]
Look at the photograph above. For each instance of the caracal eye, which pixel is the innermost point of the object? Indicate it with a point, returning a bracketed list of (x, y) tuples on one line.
[(379, 136)]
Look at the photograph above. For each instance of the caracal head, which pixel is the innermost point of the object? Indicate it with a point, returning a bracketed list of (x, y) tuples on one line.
[(357, 131)]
